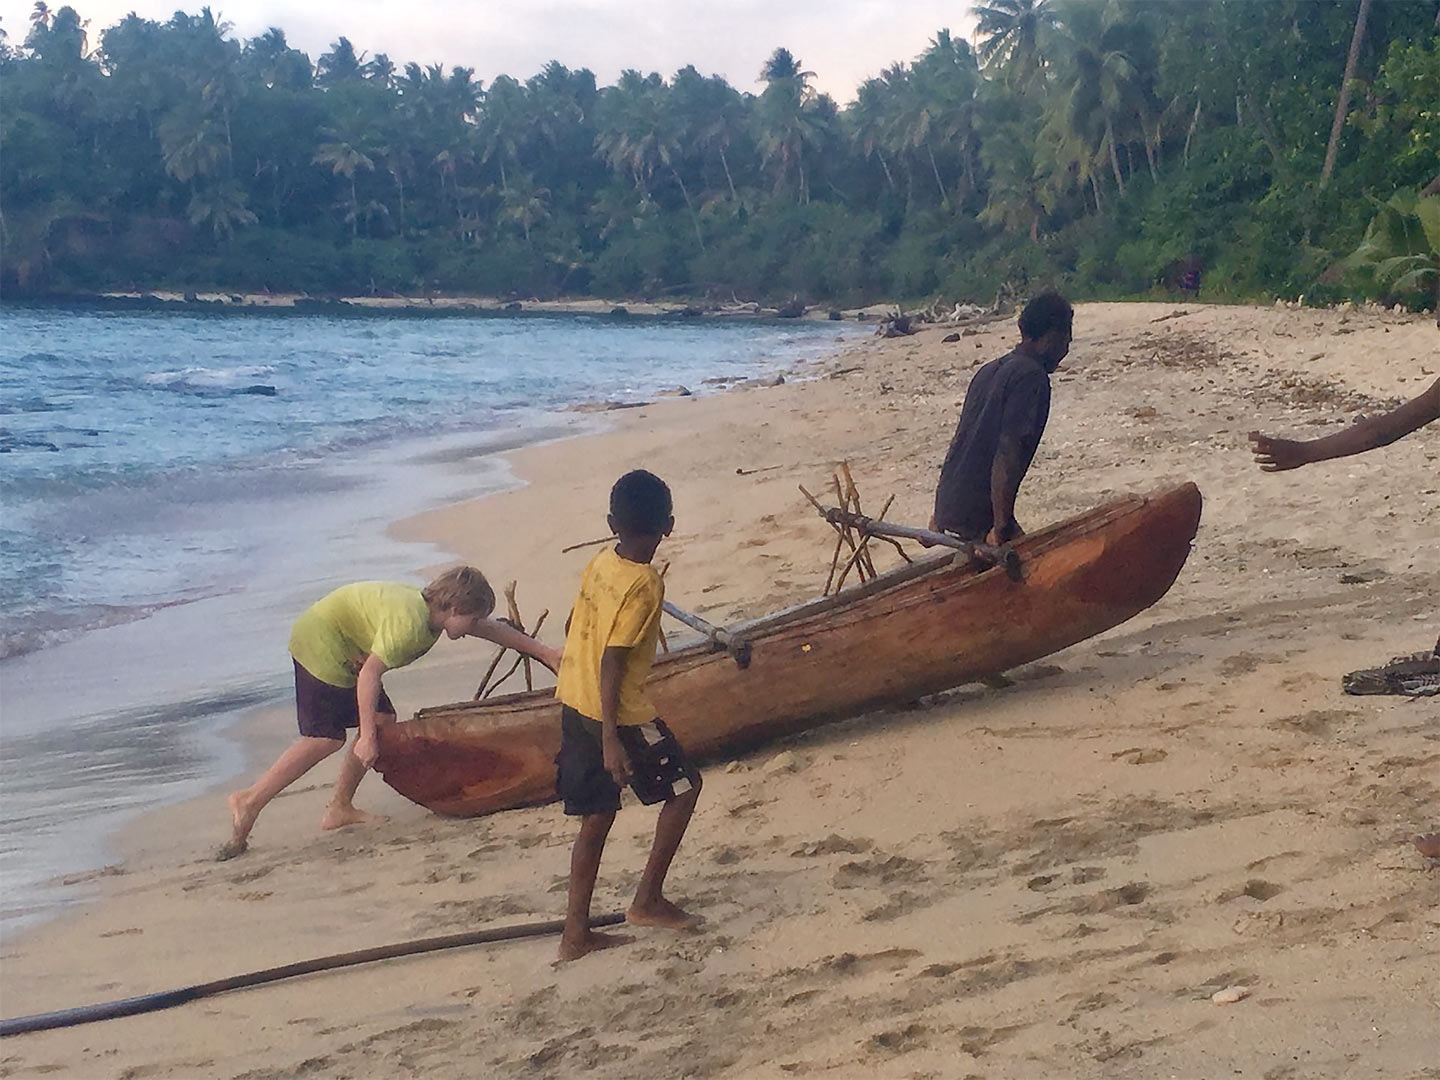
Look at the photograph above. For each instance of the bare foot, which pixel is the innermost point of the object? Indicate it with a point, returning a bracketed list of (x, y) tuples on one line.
[(593, 941), (337, 817), (242, 817), (662, 913), (1428, 845), (231, 848)]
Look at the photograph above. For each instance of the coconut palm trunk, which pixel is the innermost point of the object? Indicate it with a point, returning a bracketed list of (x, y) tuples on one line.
[(1342, 106), (724, 162)]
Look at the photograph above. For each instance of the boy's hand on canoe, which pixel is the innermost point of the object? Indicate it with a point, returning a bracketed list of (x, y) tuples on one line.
[(617, 762), (367, 749)]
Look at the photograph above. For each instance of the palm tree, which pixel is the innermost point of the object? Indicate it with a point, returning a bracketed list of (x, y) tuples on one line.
[(940, 104), (340, 64), (1100, 78), (192, 141), (504, 123), (380, 70), (221, 206), (722, 126), (525, 205), (345, 158), (784, 116), (1013, 37), (630, 132)]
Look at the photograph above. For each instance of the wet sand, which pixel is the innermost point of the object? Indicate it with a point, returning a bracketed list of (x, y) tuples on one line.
[(1050, 879)]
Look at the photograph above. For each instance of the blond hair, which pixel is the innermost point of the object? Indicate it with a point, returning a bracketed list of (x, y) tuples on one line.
[(461, 590)]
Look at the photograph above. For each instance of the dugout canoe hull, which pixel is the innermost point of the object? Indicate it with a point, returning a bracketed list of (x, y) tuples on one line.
[(919, 629)]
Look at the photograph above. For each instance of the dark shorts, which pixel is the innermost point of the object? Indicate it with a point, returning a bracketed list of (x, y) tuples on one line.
[(660, 770), (325, 711)]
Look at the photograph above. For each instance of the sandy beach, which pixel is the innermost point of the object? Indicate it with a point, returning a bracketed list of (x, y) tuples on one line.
[(1049, 879)]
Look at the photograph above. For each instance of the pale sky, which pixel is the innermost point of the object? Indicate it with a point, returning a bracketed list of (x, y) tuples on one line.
[(842, 41)]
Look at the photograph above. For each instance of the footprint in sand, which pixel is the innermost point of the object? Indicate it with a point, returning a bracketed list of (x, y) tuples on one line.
[(878, 870), (1140, 755), (1255, 888), (831, 845)]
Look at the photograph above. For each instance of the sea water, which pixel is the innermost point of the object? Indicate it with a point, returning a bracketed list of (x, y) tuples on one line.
[(175, 487)]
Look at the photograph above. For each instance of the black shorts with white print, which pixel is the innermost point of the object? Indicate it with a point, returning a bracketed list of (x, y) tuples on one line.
[(659, 769)]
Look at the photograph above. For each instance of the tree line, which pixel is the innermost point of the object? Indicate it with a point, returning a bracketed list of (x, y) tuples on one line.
[(1108, 147)]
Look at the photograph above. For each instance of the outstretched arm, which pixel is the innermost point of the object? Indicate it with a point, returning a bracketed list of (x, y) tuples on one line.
[(1278, 455), (507, 637)]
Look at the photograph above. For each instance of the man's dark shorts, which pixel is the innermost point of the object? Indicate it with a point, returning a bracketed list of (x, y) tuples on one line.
[(325, 711), (659, 768)]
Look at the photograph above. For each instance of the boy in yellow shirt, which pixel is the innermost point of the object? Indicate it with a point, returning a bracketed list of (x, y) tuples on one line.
[(609, 733), (341, 647)]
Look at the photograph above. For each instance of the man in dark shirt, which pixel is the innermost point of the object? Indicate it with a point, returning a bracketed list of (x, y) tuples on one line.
[(1000, 426)]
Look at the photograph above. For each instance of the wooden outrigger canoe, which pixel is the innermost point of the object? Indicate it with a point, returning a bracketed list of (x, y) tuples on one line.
[(928, 626)]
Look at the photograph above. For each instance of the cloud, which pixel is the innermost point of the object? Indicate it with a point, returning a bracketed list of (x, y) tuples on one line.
[(842, 41)]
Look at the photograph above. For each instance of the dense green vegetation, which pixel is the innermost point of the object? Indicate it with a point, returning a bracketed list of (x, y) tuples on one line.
[(1110, 147)]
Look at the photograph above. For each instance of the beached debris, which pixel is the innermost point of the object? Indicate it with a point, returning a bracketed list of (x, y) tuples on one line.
[(1416, 675), (1230, 995)]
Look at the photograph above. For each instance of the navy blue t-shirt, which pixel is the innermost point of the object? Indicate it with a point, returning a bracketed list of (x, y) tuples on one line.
[(1008, 397)]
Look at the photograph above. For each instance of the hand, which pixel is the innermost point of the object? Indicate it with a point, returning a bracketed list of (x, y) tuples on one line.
[(367, 749), (999, 536), (550, 658), (1277, 455), (617, 762)]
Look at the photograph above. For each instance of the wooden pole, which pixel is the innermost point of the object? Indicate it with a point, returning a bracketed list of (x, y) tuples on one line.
[(738, 648), (1002, 556), (695, 622)]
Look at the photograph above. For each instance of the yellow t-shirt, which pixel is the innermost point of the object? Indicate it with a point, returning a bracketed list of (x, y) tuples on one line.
[(619, 605), (334, 636)]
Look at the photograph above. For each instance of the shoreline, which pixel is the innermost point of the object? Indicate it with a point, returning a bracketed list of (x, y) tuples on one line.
[(217, 300), (1191, 753)]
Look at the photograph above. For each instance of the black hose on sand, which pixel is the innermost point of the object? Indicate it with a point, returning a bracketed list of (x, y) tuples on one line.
[(166, 999)]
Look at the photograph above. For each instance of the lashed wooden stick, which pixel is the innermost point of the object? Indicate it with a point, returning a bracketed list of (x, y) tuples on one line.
[(587, 543), (522, 657), (509, 592), (842, 533), (514, 607), (834, 563), (859, 556), (866, 561)]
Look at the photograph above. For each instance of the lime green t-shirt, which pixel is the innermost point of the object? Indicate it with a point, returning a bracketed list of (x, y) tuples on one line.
[(619, 604), (334, 636)]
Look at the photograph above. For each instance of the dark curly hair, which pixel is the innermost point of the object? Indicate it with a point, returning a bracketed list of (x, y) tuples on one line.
[(640, 504), (1048, 311)]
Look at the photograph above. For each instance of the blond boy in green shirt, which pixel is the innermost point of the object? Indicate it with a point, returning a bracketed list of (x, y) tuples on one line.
[(341, 646)]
